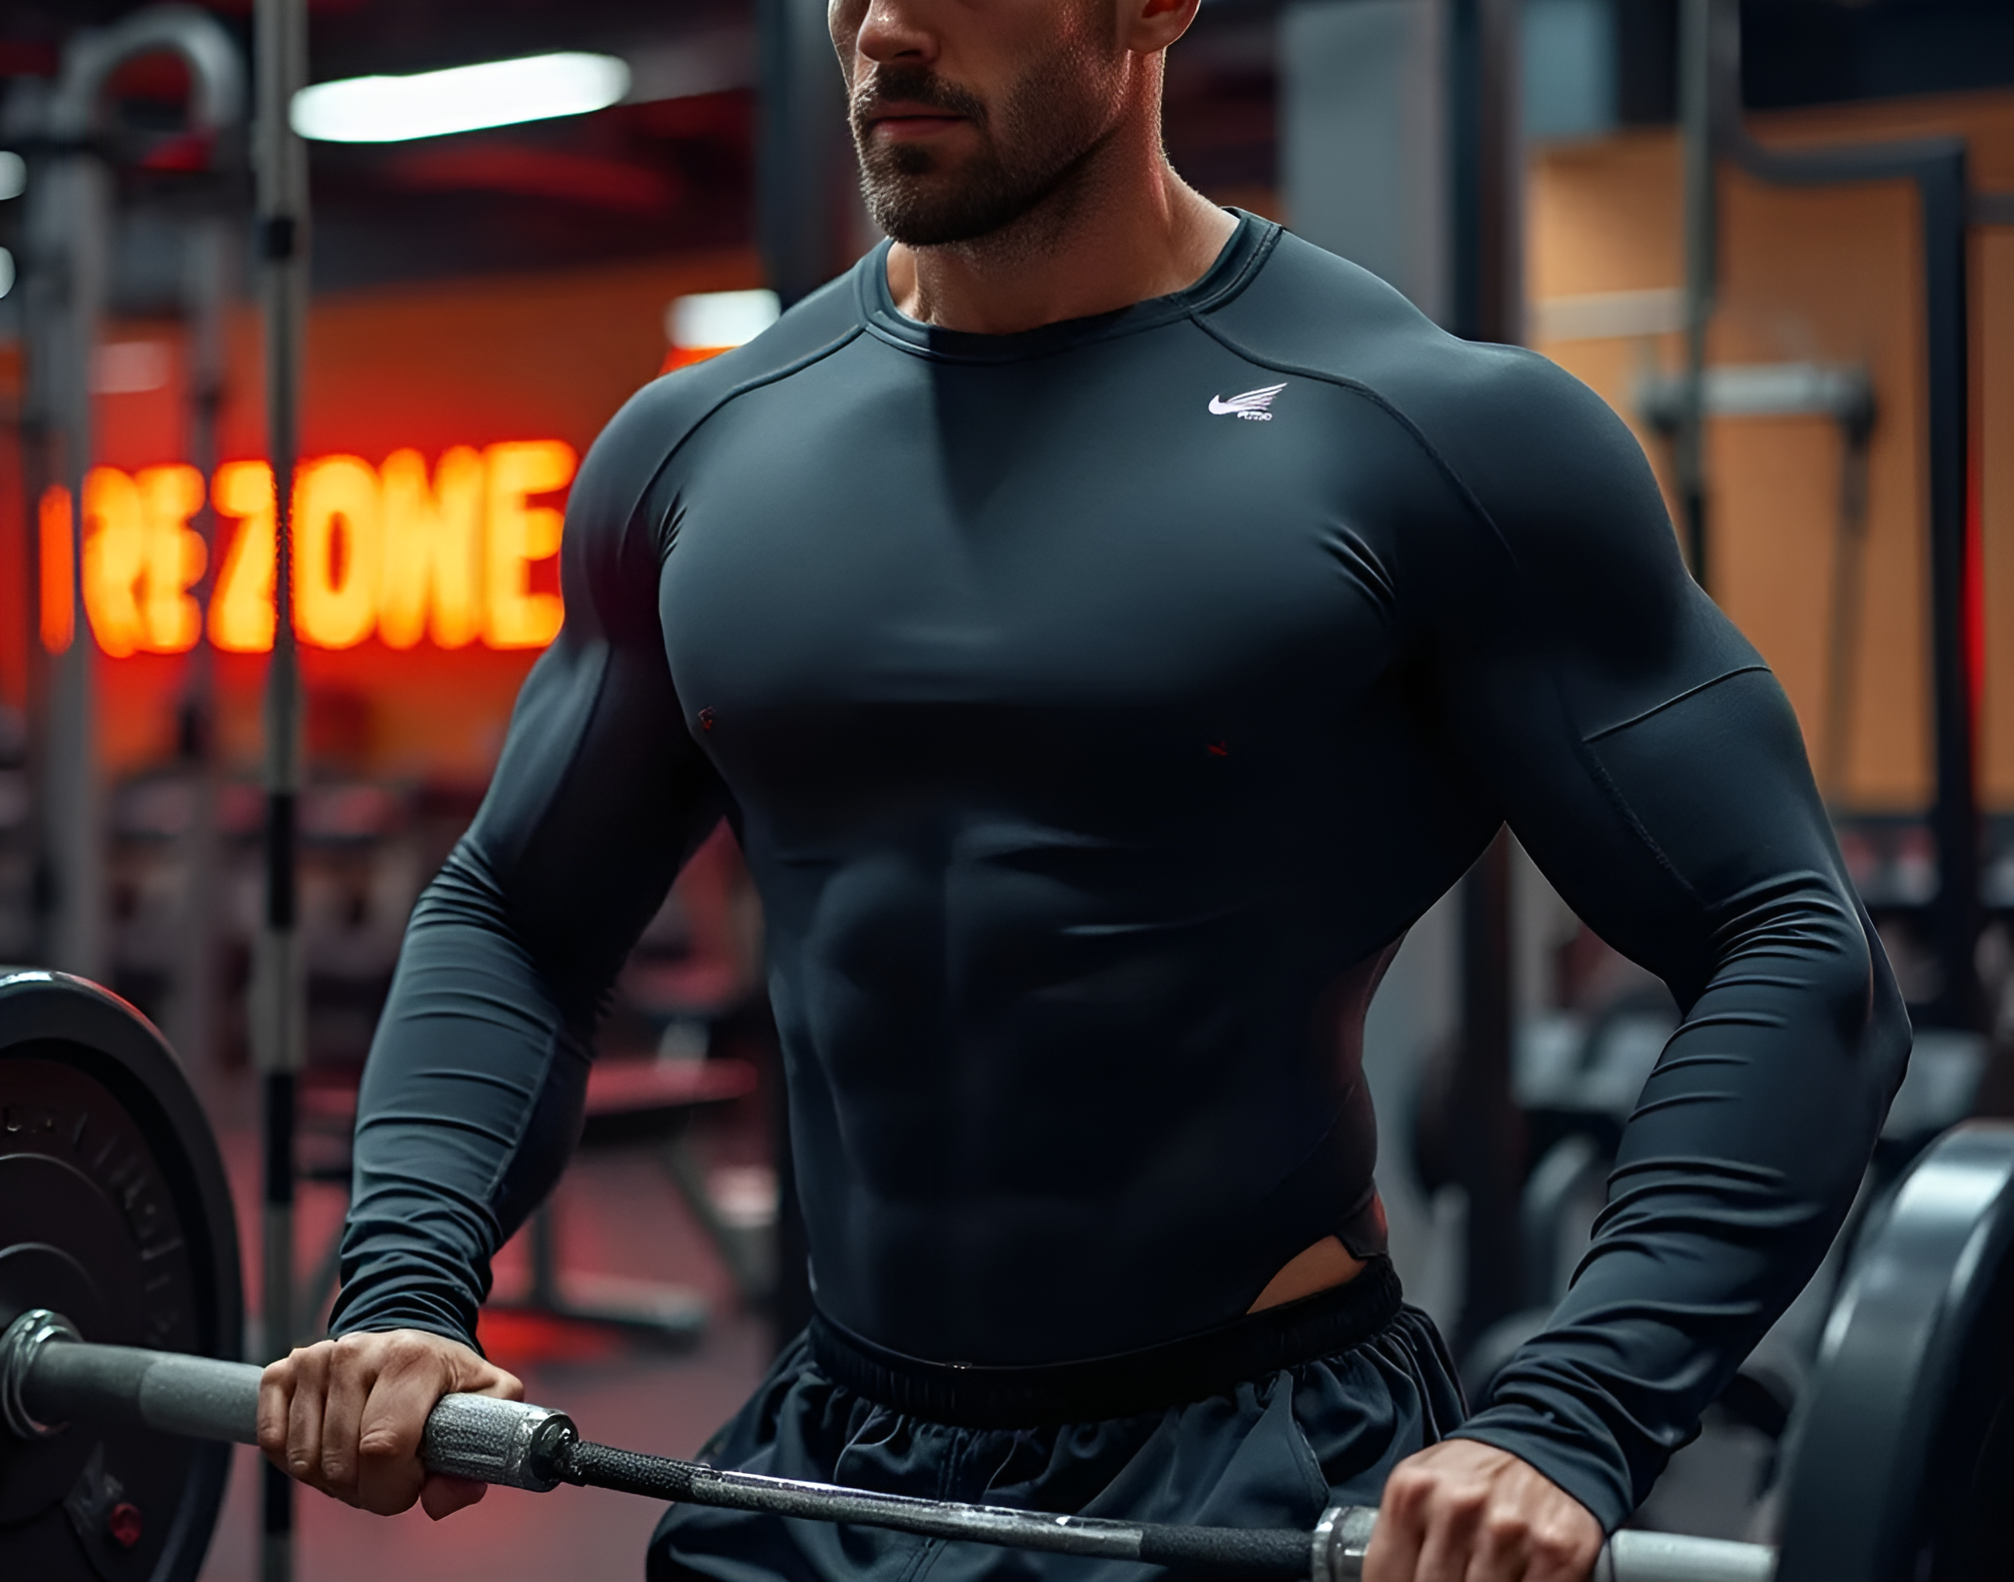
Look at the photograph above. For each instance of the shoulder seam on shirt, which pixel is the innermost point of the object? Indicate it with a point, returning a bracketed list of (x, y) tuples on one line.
[(1676, 698), (735, 393)]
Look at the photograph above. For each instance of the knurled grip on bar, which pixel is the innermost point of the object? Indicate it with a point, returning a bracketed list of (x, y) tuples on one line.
[(496, 1441), (1343, 1538)]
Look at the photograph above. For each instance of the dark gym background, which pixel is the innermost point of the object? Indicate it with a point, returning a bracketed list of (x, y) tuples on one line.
[(509, 287)]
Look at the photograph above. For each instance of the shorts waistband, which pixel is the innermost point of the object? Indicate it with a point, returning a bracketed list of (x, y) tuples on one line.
[(1125, 1384)]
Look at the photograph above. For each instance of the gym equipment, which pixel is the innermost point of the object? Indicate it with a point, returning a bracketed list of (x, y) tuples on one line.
[(1902, 1463), (47, 1373), (114, 1223), (114, 1209)]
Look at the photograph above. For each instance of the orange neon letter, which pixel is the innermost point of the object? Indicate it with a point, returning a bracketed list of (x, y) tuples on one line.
[(518, 533), (115, 555), (59, 596), (338, 551), (433, 549), (173, 557), (241, 608)]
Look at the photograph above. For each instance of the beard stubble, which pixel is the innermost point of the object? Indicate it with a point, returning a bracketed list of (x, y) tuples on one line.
[(1043, 130)]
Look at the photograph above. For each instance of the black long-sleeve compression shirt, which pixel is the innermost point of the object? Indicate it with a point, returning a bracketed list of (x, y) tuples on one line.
[(1097, 707)]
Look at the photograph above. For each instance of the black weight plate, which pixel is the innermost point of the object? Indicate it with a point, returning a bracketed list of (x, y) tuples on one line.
[(114, 1212), (1902, 1467)]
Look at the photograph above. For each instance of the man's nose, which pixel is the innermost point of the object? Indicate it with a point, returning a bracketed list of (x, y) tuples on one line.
[(896, 32)]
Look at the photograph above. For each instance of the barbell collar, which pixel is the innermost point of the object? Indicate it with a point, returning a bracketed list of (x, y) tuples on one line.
[(1342, 1539), (24, 1338)]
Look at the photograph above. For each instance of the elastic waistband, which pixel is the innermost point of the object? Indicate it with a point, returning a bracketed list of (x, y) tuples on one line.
[(1173, 1373)]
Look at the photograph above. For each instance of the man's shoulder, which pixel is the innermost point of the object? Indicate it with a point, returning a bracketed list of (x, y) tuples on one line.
[(650, 427), (1521, 443), (664, 412), (1541, 452), (1311, 312)]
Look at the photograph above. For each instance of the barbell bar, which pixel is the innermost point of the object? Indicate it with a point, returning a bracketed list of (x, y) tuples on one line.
[(50, 1376)]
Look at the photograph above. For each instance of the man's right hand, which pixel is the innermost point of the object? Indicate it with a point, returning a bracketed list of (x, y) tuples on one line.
[(345, 1416)]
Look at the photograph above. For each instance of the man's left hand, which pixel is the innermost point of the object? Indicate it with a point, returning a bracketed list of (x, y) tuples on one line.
[(1461, 1511)]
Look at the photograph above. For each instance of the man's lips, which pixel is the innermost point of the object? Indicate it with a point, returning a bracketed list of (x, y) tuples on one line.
[(902, 124)]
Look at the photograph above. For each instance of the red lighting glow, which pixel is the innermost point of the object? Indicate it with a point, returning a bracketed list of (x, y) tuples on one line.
[(384, 551)]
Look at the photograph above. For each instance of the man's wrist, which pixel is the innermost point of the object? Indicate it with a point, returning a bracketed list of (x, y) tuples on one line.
[(1569, 1460), (385, 1323)]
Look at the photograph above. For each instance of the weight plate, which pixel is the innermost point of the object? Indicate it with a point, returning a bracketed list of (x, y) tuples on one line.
[(1903, 1462), (114, 1212)]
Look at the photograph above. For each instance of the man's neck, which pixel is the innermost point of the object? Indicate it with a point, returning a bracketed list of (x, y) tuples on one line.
[(1122, 229)]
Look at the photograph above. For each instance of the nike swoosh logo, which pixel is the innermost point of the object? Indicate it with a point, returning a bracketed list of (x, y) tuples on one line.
[(1258, 400)]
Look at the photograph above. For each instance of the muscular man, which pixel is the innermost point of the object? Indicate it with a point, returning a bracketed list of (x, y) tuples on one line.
[(1108, 623)]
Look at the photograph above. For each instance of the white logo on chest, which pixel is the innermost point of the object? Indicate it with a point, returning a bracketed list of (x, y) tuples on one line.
[(1254, 406)]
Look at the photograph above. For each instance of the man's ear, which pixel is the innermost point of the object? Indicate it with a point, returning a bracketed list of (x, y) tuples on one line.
[(1149, 26)]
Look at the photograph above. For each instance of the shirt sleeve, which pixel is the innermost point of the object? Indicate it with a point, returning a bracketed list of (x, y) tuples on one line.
[(472, 1096), (1651, 765)]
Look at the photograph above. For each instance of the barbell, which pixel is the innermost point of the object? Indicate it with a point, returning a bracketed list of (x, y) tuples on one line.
[(119, 1301)]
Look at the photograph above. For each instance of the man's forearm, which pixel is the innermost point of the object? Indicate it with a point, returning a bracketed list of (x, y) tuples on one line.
[(1736, 1171), (470, 1104)]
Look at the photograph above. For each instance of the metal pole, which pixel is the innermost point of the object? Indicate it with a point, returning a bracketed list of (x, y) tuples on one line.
[(27, 122), (804, 148), (1955, 811), (282, 172), (1487, 1126), (68, 221), (32, 434), (1702, 241), (192, 1021), (1843, 635), (1499, 161), (69, 227)]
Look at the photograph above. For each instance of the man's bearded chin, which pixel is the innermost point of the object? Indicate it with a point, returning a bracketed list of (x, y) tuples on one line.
[(1025, 154)]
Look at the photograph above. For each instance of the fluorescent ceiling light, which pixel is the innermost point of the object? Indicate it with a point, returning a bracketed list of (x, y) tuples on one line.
[(459, 99), (709, 320)]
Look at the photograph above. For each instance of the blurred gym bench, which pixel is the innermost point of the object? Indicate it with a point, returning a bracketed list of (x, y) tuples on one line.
[(628, 1102)]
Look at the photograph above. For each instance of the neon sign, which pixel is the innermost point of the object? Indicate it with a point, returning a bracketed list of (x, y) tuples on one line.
[(387, 551)]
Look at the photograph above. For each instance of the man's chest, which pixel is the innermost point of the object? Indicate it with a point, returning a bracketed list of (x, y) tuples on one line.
[(1097, 538)]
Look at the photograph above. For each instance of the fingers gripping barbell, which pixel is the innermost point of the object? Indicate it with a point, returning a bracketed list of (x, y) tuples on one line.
[(114, 1223)]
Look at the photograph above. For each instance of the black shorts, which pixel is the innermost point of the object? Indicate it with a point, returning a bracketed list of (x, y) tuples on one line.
[(1260, 1423)]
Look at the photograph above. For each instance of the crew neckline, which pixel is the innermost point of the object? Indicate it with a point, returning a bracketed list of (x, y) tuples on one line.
[(1243, 251)]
